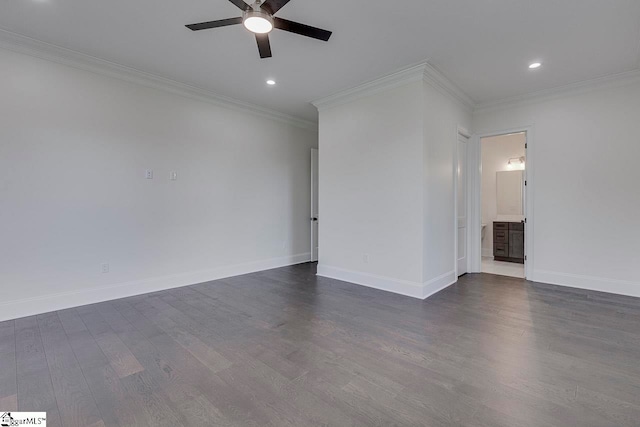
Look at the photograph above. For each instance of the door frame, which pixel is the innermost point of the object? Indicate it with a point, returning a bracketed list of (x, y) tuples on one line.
[(460, 131), (315, 175), (474, 237)]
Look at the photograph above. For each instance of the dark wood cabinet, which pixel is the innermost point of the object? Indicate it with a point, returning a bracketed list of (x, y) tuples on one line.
[(508, 241)]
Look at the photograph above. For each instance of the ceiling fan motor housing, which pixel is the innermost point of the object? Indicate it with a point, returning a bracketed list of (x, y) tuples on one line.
[(252, 14)]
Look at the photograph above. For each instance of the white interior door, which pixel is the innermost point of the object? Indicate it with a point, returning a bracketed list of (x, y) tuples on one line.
[(462, 208), (314, 204)]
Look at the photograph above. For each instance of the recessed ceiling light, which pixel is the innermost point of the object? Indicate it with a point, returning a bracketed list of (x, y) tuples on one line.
[(271, 82), (535, 65)]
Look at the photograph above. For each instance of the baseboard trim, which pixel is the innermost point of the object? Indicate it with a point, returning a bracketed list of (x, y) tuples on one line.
[(438, 284), (43, 304), (600, 284), (397, 286)]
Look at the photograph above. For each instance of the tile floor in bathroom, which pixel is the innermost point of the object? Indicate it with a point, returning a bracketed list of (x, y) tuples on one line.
[(491, 266)]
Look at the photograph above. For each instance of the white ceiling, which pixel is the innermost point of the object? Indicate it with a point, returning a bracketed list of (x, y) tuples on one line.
[(483, 46)]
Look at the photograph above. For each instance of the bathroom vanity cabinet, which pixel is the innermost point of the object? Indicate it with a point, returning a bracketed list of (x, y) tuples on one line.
[(508, 241)]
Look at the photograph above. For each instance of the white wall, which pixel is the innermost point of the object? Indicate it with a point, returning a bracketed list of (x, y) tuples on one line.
[(73, 149), (371, 187), (387, 212), (496, 152), (586, 201), (442, 117)]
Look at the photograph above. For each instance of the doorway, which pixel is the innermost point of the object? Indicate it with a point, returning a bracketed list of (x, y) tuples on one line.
[(500, 238)]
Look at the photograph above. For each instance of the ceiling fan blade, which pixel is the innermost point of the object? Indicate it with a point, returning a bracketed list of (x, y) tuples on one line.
[(264, 47), (302, 29), (214, 24), (241, 4), (272, 6)]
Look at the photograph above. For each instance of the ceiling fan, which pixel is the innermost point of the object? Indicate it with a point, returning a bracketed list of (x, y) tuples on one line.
[(258, 18)]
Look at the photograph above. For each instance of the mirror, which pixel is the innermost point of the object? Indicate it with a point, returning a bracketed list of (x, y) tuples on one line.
[(510, 190)]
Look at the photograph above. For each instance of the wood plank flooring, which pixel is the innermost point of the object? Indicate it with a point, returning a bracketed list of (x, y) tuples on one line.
[(286, 348)]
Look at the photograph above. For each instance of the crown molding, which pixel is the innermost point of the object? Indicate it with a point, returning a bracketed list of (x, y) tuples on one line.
[(441, 83), (39, 49), (414, 73), (423, 71), (605, 82)]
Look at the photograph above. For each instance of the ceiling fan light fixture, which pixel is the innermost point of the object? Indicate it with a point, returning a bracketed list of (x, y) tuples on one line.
[(258, 22)]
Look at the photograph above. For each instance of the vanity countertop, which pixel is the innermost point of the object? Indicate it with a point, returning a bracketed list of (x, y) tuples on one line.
[(509, 218)]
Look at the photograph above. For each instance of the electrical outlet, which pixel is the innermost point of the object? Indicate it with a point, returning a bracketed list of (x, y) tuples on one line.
[(173, 176), (105, 268), (148, 174), (365, 258)]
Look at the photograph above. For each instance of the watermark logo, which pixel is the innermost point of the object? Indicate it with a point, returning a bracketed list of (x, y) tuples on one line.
[(10, 419)]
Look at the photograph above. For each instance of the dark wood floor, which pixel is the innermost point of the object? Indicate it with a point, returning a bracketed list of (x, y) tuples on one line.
[(285, 348)]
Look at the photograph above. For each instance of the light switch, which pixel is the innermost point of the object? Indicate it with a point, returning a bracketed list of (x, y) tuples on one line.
[(173, 176)]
